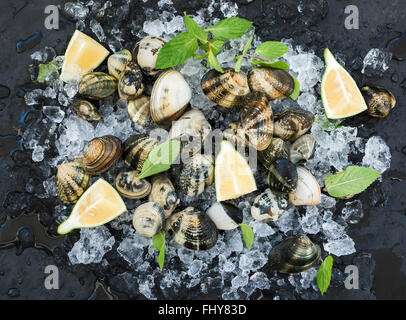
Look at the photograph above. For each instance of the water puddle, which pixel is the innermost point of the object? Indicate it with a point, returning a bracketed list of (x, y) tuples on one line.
[(29, 43)]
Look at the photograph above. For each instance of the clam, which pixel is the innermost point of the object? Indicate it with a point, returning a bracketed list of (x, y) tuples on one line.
[(307, 192), (379, 101), (149, 219), (137, 149), (130, 187), (146, 51), (191, 129), (275, 83), (86, 110), (101, 153), (170, 96), (256, 121), (130, 85), (138, 109), (116, 62), (197, 174), (97, 85), (268, 207), (294, 254), (228, 89), (276, 149), (192, 229), (236, 136), (163, 192), (225, 215), (302, 149), (71, 181), (282, 177), (292, 124)]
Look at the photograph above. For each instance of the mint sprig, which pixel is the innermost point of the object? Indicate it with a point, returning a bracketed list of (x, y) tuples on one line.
[(324, 274), (158, 241), (247, 235), (230, 28)]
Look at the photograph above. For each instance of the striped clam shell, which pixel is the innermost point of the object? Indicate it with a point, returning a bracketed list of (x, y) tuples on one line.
[(282, 176), (116, 62), (379, 101), (130, 187), (276, 149), (71, 181), (256, 121), (291, 124), (130, 85), (228, 89), (137, 149), (302, 149), (138, 109), (163, 192), (275, 83), (170, 96), (146, 51), (101, 153), (192, 229), (307, 192), (196, 175), (86, 110), (268, 207), (97, 85), (149, 219)]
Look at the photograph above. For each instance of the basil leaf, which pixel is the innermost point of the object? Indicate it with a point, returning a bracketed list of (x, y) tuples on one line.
[(212, 61), (193, 28), (272, 49), (230, 28), (158, 241), (247, 45), (324, 274), (215, 44), (176, 51), (160, 158), (276, 65), (353, 180), (295, 94), (247, 235)]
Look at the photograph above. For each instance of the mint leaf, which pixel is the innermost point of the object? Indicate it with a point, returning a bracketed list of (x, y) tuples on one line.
[(247, 45), (215, 44), (230, 28), (160, 158), (326, 124), (176, 51), (324, 274), (199, 57), (276, 65), (161, 257), (193, 28), (212, 61), (272, 49), (295, 94), (158, 241), (45, 70), (353, 180), (247, 235)]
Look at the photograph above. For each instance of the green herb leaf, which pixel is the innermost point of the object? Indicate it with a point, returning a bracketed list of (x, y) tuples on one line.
[(215, 44), (176, 51), (199, 57), (276, 65), (230, 28), (272, 49), (324, 274), (326, 124), (193, 28), (353, 180), (296, 91), (160, 158), (45, 70), (158, 241), (247, 235), (247, 45), (161, 257), (212, 61)]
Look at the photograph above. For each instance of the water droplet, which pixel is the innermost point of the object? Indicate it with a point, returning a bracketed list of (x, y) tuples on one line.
[(29, 43), (4, 92), (13, 293)]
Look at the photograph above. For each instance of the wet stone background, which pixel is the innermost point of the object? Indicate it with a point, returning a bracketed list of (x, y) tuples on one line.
[(380, 236)]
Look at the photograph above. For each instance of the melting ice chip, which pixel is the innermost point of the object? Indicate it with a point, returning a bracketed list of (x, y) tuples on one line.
[(54, 113), (377, 154), (376, 62), (340, 247), (353, 212)]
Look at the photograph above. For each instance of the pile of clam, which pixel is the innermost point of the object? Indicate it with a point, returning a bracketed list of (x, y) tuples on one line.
[(280, 139)]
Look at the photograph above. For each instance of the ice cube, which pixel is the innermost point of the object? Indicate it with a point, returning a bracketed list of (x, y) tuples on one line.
[(240, 280), (353, 212), (340, 247), (195, 268), (38, 154), (54, 113), (76, 10), (311, 221), (97, 30), (377, 154), (376, 62)]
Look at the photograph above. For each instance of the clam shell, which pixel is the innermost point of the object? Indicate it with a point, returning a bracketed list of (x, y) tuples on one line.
[(130, 85), (307, 191), (225, 215), (228, 89), (192, 229), (276, 149), (292, 124), (137, 149), (130, 187), (146, 51), (170, 97), (138, 109), (86, 110), (275, 83), (101, 153), (97, 85), (71, 181), (302, 149), (294, 254), (268, 207), (116, 62), (196, 175), (282, 177), (163, 192), (379, 101), (148, 219)]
